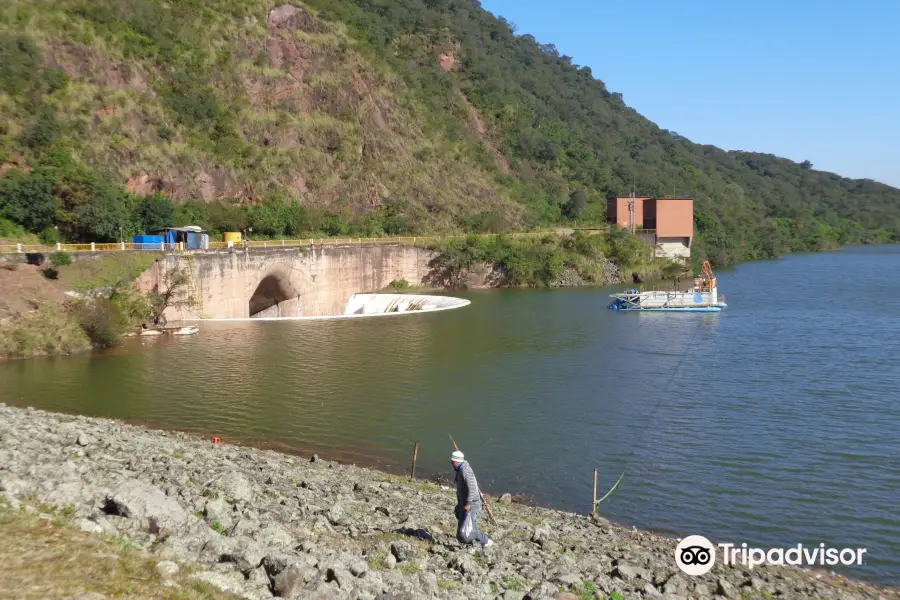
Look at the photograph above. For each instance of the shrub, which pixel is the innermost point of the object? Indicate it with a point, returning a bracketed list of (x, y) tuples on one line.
[(60, 259), (42, 130), (49, 236), (102, 321), (20, 59)]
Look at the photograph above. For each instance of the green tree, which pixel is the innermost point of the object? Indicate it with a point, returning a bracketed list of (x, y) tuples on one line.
[(269, 217), (27, 199), (106, 216), (577, 204), (154, 213), (192, 212), (175, 293)]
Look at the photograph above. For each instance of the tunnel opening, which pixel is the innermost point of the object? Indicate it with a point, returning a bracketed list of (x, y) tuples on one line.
[(274, 297)]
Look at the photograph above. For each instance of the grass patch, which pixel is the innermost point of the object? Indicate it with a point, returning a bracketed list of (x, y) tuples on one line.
[(447, 584), (48, 330), (41, 559), (218, 528), (517, 535), (409, 569), (515, 584), (106, 270), (378, 560), (749, 594)]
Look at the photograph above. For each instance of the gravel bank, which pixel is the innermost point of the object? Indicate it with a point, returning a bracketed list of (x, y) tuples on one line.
[(258, 523)]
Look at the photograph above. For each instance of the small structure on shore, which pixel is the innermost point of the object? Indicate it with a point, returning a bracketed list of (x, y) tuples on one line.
[(191, 237)]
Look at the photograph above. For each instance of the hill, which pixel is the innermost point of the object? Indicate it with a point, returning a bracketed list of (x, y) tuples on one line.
[(360, 117)]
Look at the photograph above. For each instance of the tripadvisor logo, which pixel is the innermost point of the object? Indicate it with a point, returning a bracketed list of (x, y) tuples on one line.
[(696, 555)]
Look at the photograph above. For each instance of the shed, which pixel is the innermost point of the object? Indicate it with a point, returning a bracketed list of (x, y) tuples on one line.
[(193, 237)]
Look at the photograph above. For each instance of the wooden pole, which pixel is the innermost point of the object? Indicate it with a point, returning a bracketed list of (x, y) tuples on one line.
[(594, 503), (415, 455), (480, 493)]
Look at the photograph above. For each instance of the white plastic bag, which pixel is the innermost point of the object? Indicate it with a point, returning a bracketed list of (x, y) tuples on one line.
[(465, 530)]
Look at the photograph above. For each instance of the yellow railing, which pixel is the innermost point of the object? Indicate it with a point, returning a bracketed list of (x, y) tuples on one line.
[(125, 246)]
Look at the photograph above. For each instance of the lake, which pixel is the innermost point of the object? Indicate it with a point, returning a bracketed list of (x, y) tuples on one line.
[(775, 422)]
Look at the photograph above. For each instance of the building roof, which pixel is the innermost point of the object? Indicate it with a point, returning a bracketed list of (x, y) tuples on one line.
[(186, 229)]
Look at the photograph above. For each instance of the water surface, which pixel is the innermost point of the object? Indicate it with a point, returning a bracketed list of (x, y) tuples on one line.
[(773, 423)]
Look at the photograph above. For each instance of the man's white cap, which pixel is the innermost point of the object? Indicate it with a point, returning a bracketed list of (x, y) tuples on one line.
[(457, 457)]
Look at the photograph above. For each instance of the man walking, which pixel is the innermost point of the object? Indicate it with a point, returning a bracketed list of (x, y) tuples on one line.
[(468, 503)]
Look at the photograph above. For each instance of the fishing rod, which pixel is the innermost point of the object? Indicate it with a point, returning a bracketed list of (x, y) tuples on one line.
[(656, 408)]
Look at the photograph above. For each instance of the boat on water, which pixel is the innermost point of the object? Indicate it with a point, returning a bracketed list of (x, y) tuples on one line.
[(703, 297)]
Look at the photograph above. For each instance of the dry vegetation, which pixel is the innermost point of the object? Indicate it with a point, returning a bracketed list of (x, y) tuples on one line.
[(231, 101), (42, 556)]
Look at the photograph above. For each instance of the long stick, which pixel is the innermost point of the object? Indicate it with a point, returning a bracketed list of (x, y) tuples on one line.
[(611, 490), (415, 454), (594, 503), (480, 493)]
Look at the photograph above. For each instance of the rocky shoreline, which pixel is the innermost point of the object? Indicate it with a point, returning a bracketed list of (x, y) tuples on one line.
[(261, 524)]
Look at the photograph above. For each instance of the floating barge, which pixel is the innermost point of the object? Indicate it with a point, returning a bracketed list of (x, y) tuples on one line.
[(704, 297)]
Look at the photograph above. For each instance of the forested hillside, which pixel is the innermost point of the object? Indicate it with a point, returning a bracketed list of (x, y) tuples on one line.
[(364, 117)]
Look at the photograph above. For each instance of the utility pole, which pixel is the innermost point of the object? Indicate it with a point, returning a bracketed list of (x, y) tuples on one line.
[(631, 207)]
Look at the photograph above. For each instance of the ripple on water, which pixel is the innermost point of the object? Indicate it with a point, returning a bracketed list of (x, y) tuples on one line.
[(773, 422)]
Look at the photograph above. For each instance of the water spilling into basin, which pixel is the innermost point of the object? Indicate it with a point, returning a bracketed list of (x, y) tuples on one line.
[(375, 305)]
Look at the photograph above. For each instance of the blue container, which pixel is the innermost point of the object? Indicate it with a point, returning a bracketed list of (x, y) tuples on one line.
[(148, 242)]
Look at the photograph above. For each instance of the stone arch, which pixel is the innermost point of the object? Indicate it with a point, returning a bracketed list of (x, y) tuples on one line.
[(274, 295)]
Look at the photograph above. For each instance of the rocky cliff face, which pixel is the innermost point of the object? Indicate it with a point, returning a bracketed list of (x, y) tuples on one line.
[(262, 524), (234, 101)]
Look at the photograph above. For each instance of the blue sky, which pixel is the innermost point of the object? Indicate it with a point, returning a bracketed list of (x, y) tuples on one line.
[(808, 80)]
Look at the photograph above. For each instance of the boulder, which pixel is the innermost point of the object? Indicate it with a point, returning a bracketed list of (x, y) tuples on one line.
[(141, 501), (275, 536), (465, 564), (245, 554), (167, 568), (233, 487), (218, 511)]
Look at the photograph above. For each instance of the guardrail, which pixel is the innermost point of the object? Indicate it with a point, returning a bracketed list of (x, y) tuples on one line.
[(179, 247)]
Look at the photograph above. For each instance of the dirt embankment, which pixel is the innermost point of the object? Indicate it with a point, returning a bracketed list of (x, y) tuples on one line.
[(261, 524), (34, 318), (37, 318)]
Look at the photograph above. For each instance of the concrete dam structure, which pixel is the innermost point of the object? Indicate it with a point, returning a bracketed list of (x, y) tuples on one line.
[(309, 281)]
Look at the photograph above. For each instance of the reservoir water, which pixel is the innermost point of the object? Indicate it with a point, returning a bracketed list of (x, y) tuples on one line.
[(775, 422)]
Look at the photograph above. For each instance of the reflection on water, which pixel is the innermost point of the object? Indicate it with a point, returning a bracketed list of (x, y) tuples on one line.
[(773, 422)]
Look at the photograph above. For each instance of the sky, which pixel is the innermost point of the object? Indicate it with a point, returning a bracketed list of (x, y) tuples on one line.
[(803, 79)]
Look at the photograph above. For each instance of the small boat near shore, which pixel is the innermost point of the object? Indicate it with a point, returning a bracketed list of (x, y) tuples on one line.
[(704, 297)]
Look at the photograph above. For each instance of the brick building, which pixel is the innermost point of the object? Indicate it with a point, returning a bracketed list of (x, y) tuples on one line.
[(665, 223)]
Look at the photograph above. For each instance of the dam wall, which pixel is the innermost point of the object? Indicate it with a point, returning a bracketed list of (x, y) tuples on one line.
[(309, 281)]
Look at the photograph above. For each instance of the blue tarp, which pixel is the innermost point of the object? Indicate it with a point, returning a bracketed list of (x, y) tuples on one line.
[(148, 242)]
